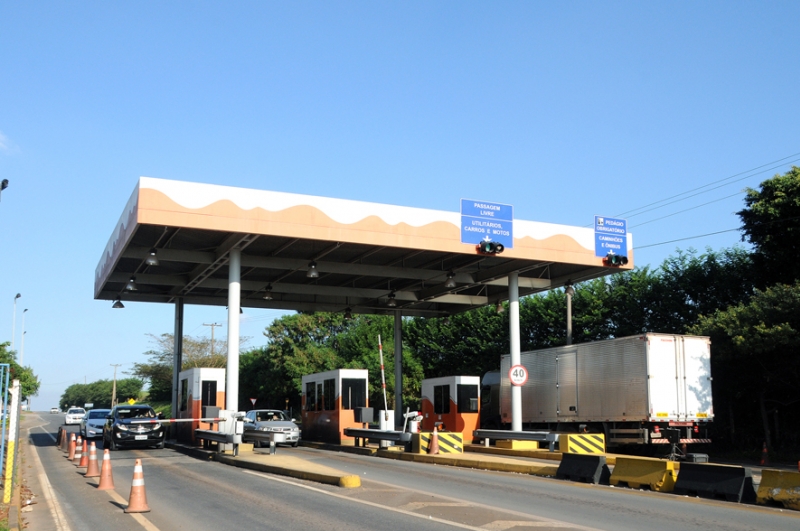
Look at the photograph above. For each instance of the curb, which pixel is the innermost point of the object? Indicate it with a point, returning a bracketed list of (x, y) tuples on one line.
[(519, 468), (347, 481)]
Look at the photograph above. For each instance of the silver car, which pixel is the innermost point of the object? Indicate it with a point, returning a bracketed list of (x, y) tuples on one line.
[(74, 415), (272, 420), (93, 422)]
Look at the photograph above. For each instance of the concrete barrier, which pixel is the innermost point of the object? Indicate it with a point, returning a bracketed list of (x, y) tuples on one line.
[(582, 443), (733, 483), (584, 468), (637, 472), (779, 487)]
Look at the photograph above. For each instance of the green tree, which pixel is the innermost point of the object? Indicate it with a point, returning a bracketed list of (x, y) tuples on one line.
[(99, 393), (771, 223), (197, 352), (756, 366), (28, 381)]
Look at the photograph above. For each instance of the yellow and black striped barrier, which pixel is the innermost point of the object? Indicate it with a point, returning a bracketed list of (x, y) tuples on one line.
[(449, 443), (583, 443)]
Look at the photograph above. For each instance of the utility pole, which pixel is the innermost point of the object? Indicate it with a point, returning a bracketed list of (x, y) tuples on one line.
[(114, 387), (212, 325)]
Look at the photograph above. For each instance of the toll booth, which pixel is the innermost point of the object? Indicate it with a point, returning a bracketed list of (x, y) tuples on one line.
[(201, 394), (329, 402), (451, 403)]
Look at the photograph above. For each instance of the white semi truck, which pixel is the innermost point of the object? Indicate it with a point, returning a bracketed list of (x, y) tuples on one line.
[(631, 389)]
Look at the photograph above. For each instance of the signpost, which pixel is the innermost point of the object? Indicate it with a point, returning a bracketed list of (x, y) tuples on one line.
[(610, 236), (518, 375), (484, 221)]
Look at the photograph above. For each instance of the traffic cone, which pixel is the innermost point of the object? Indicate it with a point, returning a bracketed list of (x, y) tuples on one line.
[(91, 470), (764, 455), (84, 462), (78, 451), (433, 447), (137, 502), (71, 454), (106, 478), (64, 446)]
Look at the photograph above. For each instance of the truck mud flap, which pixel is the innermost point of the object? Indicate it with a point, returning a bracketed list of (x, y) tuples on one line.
[(638, 472), (584, 468), (780, 488), (732, 483)]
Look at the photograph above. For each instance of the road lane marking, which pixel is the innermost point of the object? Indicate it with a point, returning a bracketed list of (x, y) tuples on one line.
[(48, 494), (58, 515), (530, 523)]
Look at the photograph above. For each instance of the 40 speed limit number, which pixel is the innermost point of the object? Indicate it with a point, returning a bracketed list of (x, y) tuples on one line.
[(518, 375)]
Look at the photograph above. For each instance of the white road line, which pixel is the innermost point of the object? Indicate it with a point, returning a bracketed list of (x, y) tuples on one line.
[(48, 494), (55, 507), (529, 523)]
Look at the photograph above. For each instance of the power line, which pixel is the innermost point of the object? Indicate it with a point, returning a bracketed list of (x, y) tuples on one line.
[(747, 174), (684, 239), (686, 210)]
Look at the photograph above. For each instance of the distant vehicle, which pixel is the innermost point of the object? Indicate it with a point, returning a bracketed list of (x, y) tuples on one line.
[(55, 410), (133, 426), (93, 422), (272, 420), (74, 415)]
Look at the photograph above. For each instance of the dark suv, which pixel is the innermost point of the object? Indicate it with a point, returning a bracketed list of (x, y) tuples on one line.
[(133, 426)]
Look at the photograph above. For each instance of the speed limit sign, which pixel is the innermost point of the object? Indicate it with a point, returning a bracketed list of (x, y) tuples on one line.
[(518, 375)]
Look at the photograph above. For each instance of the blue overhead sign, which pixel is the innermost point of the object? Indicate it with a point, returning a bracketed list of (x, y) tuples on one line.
[(484, 221), (610, 236)]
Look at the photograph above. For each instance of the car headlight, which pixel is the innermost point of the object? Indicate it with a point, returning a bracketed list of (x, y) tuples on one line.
[(122, 427)]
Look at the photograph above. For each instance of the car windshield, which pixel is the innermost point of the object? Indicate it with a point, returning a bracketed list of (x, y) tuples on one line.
[(76, 412), (97, 414), (135, 413), (262, 416)]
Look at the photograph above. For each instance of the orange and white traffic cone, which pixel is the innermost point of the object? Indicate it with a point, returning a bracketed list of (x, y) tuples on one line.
[(92, 471), (72, 443), (433, 447), (84, 462), (137, 502), (764, 455), (78, 451), (106, 477)]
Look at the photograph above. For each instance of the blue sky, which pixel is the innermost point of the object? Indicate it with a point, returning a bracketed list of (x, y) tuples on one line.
[(565, 110)]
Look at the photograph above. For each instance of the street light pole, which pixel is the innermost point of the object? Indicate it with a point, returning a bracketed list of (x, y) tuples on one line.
[(22, 346), (14, 321)]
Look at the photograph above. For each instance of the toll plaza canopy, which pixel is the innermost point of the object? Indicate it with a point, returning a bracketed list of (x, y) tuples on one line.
[(308, 253)]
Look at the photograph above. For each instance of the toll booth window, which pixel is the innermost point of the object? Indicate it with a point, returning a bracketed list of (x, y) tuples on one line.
[(354, 393), (467, 398), (329, 394), (184, 394), (311, 396), (441, 399), (209, 393)]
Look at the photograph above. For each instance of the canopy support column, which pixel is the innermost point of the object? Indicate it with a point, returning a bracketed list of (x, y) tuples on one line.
[(177, 356), (513, 329), (234, 302), (398, 368)]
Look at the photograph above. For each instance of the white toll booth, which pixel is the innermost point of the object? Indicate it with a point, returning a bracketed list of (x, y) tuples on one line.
[(329, 402), (201, 394)]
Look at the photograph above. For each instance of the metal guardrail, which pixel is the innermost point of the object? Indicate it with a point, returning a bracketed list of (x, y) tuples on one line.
[(507, 435), (272, 437), (381, 435)]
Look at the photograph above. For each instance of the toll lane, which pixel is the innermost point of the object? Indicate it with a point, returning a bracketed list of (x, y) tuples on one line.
[(187, 493), (597, 506)]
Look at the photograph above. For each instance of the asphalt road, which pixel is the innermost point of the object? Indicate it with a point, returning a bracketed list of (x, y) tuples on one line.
[(187, 493)]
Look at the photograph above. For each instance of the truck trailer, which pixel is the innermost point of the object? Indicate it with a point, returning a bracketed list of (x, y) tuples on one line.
[(631, 389)]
